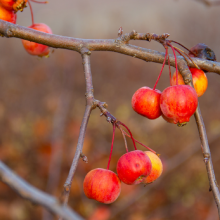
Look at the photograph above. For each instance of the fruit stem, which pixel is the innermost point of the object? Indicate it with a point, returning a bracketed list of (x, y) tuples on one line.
[(32, 14), (129, 133), (168, 57), (161, 70), (175, 63), (110, 155), (140, 143), (123, 134), (182, 53), (183, 47), (39, 2)]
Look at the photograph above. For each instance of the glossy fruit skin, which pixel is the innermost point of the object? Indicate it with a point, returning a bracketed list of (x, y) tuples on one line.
[(179, 103), (170, 120), (146, 102), (157, 168), (102, 185), (200, 81), (133, 167), (35, 48), (7, 4), (7, 15), (13, 5)]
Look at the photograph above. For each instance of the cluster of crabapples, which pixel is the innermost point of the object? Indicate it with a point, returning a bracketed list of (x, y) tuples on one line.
[(177, 103), (134, 167), (8, 12)]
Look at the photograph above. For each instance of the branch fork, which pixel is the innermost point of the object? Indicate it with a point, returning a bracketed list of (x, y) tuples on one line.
[(119, 45)]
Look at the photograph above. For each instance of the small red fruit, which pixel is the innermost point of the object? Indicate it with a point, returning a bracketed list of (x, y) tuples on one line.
[(102, 185), (7, 15), (170, 120), (35, 48), (157, 167), (7, 4), (133, 167), (146, 102), (200, 81), (179, 103)]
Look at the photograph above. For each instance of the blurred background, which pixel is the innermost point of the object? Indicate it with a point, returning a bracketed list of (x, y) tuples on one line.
[(42, 103)]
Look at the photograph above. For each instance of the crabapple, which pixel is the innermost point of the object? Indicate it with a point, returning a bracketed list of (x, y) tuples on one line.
[(146, 102), (157, 167), (200, 81), (102, 185), (179, 103), (7, 15), (7, 4), (133, 167), (35, 48), (13, 5)]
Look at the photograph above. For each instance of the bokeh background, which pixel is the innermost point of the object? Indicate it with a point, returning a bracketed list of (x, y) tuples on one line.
[(42, 103)]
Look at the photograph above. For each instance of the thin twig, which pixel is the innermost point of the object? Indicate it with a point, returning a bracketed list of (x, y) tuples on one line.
[(183, 68), (89, 107), (36, 196)]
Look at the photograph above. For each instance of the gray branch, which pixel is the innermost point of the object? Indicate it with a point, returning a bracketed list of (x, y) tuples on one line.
[(33, 194), (119, 45)]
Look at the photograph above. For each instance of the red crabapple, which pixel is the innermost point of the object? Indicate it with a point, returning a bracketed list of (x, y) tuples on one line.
[(157, 167), (35, 48), (146, 102), (200, 81), (179, 103), (133, 167), (102, 185), (7, 15)]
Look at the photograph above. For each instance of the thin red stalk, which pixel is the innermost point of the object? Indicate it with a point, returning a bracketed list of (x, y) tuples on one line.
[(182, 53), (140, 143), (123, 134), (39, 2), (161, 70), (110, 155), (183, 47), (32, 14), (168, 57), (178, 51), (130, 134), (175, 63)]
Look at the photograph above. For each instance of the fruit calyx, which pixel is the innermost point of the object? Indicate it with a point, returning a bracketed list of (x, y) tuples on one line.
[(19, 5)]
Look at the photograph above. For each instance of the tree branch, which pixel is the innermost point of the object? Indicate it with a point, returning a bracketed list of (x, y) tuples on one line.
[(29, 192), (184, 70), (119, 45), (89, 107)]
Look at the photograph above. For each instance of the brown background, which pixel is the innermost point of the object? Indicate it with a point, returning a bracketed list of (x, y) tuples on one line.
[(37, 93)]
